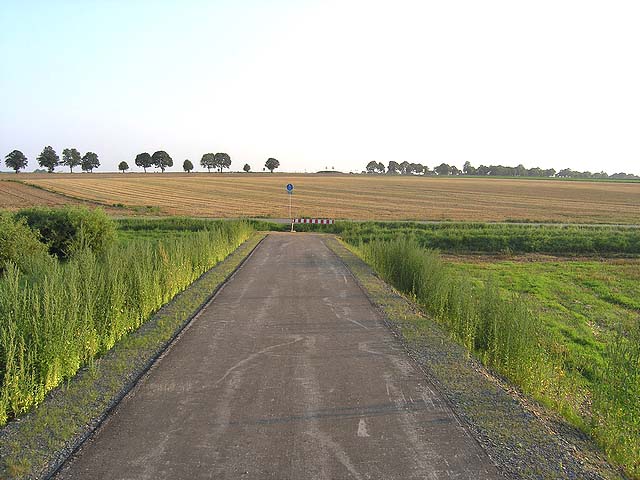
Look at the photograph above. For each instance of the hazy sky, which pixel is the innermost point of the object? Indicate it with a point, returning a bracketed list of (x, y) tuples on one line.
[(325, 83)]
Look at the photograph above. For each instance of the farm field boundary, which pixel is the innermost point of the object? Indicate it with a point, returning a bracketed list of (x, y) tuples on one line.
[(35, 445), (524, 439)]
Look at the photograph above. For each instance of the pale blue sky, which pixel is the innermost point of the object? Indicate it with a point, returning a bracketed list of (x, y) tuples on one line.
[(550, 83)]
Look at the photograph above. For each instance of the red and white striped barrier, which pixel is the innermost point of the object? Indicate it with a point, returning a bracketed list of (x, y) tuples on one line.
[(319, 221)]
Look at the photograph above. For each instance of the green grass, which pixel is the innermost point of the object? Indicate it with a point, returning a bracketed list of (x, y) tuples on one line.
[(582, 301), (58, 316), (591, 310)]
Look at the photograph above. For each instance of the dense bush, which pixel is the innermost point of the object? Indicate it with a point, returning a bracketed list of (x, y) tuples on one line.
[(69, 229), (18, 243)]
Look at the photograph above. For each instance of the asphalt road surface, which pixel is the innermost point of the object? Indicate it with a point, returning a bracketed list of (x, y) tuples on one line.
[(289, 374)]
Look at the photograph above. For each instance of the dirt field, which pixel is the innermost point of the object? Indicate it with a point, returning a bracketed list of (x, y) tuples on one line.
[(348, 196)]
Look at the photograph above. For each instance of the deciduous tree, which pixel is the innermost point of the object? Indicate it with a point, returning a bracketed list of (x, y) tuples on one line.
[(187, 166), (372, 167), (221, 161), (16, 160), (271, 164), (246, 168), (144, 160), (443, 169), (89, 162), (394, 167), (483, 170), (161, 160), (123, 166), (468, 169), (49, 159), (71, 158), (208, 161)]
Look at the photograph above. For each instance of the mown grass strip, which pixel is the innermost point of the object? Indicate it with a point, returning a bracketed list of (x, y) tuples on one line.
[(36, 443), (522, 438)]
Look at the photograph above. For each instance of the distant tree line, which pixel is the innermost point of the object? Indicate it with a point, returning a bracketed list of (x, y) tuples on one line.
[(406, 168), (71, 157), (49, 160)]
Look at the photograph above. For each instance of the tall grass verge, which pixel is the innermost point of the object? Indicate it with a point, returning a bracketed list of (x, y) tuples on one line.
[(502, 330), (616, 401), (57, 316)]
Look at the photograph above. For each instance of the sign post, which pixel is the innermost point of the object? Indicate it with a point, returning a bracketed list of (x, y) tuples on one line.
[(290, 192)]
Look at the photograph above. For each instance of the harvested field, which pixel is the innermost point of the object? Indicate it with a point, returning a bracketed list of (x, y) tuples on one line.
[(357, 197), (15, 195)]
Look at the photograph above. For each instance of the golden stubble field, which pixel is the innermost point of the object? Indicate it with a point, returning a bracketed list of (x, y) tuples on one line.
[(339, 196)]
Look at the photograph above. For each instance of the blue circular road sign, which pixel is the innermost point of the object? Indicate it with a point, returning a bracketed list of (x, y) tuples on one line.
[(289, 187)]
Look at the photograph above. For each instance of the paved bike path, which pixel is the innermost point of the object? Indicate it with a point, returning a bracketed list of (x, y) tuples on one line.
[(288, 374)]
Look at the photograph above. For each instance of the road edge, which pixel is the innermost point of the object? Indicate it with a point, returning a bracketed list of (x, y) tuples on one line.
[(37, 444), (520, 437)]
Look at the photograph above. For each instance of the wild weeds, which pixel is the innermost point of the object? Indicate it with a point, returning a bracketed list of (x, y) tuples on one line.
[(57, 316)]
